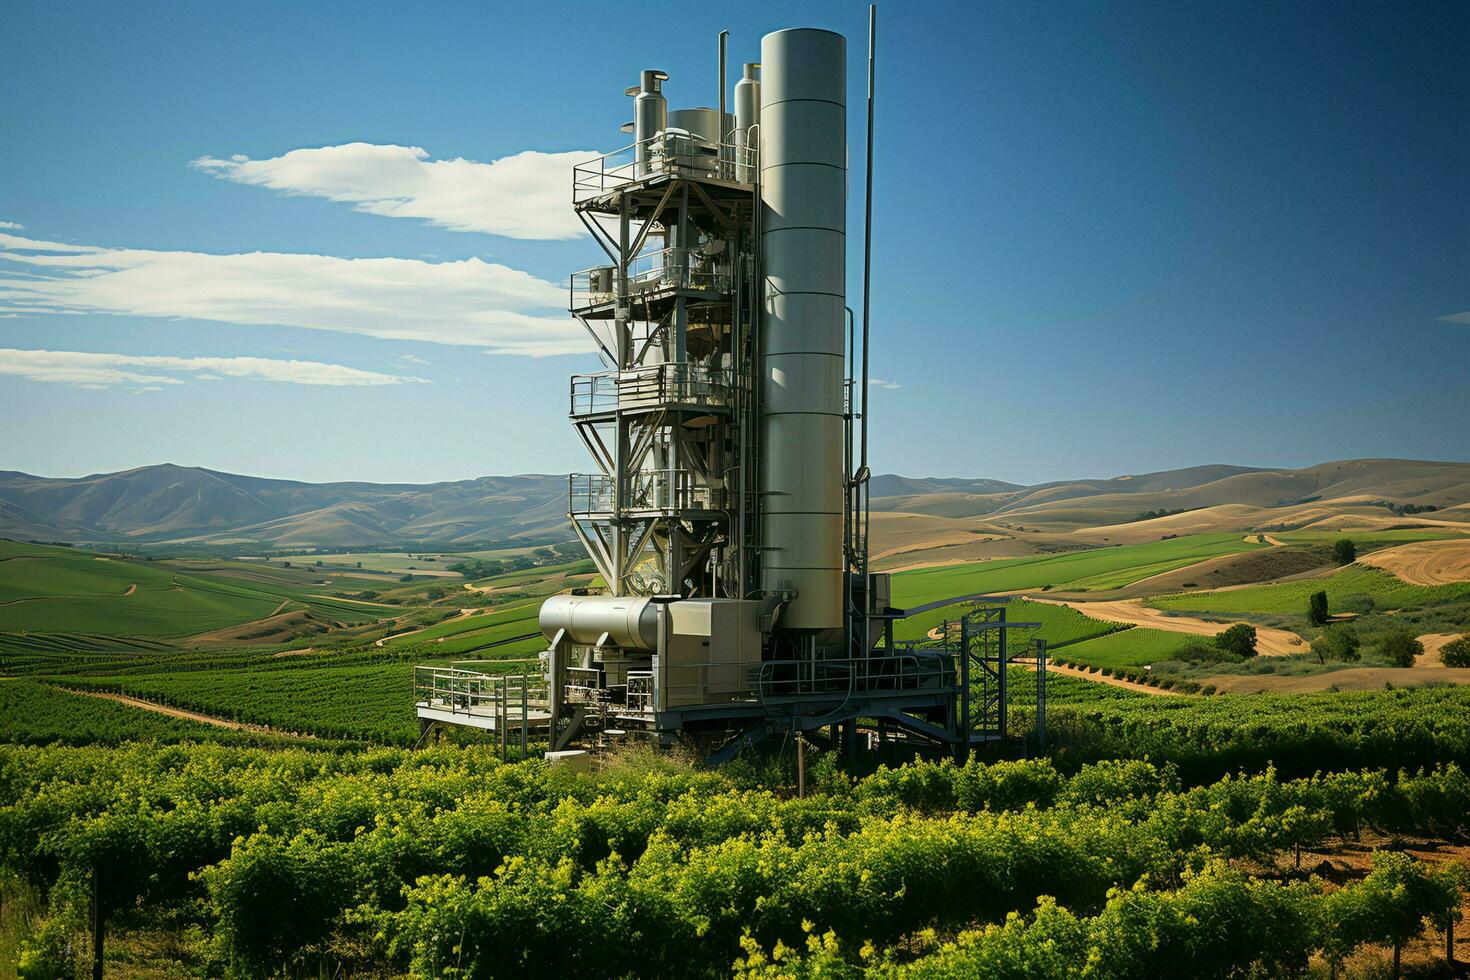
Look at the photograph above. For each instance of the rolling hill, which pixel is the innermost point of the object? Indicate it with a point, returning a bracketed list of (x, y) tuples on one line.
[(178, 504), (925, 518)]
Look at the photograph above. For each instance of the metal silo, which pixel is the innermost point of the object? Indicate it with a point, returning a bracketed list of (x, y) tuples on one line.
[(803, 189)]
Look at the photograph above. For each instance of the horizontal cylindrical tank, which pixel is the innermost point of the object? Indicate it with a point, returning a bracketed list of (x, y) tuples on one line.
[(803, 168), (630, 623)]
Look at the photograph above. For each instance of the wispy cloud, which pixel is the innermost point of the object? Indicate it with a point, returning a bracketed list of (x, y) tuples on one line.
[(1458, 317), (412, 359), (86, 369), (883, 383), (470, 302), (11, 224), (526, 195)]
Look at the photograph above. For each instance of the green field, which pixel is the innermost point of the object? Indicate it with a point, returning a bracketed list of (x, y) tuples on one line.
[(1105, 567), (382, 562), (1061, 626), (66, 591), (1369, 540), (1135, 647), (1387, 592), (32, 713)]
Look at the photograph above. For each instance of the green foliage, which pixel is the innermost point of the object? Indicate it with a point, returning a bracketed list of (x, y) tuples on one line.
[(32, 713), (1456, 653), (1317, 611), (1238, 641), (275, 898), (1399, 647), (1337, 642), (1207, 737), (1344, 551), (448, 863)]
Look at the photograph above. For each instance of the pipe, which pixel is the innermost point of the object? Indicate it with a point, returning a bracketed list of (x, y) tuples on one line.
[(720, 140)]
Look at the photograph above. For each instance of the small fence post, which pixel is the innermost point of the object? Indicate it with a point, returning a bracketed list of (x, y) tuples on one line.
[(525, 716)]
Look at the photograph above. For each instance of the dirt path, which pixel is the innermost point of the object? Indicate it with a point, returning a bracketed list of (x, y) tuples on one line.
[(398, 636), (162, 709), (1269, 640), (131, 589), (1433, 643), (1348, 679), (1270, 539), (1425, 562), (1099, 678)]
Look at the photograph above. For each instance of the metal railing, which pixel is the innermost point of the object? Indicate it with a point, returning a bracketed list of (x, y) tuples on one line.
[(671, 152), (651, 272), (893, 674), (660, 490), (472, 692), (653, 385)]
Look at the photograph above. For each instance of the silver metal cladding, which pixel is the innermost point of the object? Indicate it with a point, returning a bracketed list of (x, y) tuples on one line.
[(650, 114), (631, 623), (803, 170)]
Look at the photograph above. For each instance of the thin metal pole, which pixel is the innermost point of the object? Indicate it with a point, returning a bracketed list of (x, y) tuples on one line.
[(720, 149), (867, 312)]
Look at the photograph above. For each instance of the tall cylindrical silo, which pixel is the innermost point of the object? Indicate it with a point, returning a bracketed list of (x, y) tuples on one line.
[(803, 166)]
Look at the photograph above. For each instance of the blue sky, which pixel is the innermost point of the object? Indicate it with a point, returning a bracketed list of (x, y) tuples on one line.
[(1110, 238)]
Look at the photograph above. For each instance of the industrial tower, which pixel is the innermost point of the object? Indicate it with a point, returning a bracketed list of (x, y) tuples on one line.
[(727, 507)]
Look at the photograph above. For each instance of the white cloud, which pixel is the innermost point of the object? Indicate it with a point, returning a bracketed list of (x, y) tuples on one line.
[(882, 383), (11, 224), (527, 195), (86, 369), (469, 303), (412, 359), (1458, 317)]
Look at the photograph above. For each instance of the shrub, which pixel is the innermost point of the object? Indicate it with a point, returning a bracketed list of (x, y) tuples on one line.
[(1337, 642), (1456, 653), (1344, 552), (1238, 641), (1399, 647), (1317, 613)]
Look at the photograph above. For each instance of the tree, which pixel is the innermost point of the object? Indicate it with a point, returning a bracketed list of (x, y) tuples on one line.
[(1456, 653), (1344, 551), (1317, 613), (1337, 642), (1238, 641), (1399, 647)]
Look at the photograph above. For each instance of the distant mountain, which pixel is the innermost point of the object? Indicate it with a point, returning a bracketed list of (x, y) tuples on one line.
[(1382, 484), (181, 504), (170, 504)]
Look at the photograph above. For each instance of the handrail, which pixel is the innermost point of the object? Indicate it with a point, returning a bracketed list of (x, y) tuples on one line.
[(650, 489), (651, 272), (896, 673), (650, 385), (671, 152)]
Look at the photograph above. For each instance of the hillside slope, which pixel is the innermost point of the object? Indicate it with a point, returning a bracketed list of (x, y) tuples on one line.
[(966, 518)]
